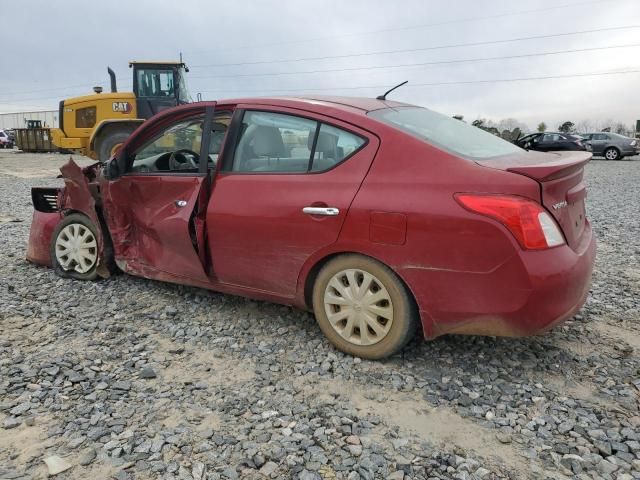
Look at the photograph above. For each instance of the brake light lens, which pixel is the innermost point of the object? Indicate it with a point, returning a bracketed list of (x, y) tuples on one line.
[(527, 220)]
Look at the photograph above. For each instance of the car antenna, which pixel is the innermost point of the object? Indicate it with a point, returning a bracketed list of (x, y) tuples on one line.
[(384, 97)]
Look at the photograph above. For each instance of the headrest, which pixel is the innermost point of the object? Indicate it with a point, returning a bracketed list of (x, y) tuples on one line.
[(267, 142), (327, 144)]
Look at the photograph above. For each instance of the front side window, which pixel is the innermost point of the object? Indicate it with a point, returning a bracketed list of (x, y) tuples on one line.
[(153, 82), (444, 132), (280, 143), (177, 149)]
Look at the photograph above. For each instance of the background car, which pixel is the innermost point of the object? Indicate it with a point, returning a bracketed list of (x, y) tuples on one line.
[(383, 218), (552, 142), (5, 140), (612, 146)]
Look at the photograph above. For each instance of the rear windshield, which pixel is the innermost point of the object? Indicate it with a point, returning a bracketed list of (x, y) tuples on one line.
[(445, 132)]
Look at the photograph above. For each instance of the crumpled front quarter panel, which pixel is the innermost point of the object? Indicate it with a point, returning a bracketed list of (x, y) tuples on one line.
[(42, 226), (76, 196)]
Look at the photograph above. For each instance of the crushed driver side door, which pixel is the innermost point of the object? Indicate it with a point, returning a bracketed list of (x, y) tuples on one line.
[(155, 209)]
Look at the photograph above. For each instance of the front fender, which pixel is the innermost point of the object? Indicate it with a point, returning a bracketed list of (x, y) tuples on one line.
[(42, 226)]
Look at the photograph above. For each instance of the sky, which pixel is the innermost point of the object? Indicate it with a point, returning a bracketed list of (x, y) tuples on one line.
[(54, 50)]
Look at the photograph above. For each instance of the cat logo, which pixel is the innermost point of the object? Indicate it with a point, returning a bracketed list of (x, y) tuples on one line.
[(122, 107)]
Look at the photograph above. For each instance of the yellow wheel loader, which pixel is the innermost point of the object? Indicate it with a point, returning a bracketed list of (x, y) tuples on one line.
[(96, 125)]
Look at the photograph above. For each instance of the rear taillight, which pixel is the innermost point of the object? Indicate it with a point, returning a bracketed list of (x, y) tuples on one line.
[(527, 220)]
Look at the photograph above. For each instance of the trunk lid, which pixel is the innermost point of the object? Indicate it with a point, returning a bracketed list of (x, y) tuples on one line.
[(562, 189)]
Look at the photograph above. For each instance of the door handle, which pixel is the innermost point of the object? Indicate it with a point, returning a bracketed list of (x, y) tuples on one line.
[(326, 211), (181, 203)]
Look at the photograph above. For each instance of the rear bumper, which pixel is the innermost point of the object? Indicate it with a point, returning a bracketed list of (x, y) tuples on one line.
[(42, 227), (530, 293), (629, 150)]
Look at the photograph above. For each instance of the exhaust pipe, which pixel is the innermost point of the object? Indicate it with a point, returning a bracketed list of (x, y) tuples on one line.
[(112, 74)]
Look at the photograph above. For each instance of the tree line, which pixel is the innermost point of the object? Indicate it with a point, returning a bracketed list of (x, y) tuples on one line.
[(507, 127)]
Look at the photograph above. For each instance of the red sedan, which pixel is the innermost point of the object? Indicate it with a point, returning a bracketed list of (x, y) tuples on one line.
[(382, 217)]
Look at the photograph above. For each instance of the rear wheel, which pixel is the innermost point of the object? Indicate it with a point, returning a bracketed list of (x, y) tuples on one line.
[(109, 144), (74, 248), (363, 308), (612, 153)]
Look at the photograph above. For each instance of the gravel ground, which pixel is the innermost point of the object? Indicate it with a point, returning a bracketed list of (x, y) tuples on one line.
[(131, 378)]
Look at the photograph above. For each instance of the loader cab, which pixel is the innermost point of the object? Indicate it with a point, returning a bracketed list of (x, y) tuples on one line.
[(158, 86)]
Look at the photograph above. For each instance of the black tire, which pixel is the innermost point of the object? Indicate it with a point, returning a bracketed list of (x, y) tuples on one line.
[(405, 317), (612, 153), (83, 221), (110, 140)]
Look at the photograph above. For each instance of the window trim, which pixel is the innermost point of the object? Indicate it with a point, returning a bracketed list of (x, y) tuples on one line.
[(236, 126)]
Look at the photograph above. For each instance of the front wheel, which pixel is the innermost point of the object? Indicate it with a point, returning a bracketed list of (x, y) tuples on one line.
[(363, 308), (74, 248), (612, 154)]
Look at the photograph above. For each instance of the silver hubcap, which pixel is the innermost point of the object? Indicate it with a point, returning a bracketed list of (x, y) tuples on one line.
[(76, 248), (611, 154), (358, 307)]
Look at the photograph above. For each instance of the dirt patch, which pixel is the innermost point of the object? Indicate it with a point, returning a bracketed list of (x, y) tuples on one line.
[(44, 173), (184, 417), (38, 165), (439, 426), (29, 334), (197, 365), (582, 348), (9, 219), (24, 444), (97, 470), (570, 387), (617, 334)]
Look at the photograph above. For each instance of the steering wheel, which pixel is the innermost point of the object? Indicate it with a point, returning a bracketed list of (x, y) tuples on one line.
[(179, 161)]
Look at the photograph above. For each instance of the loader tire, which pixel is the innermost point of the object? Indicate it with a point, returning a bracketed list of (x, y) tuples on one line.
[(109, 144)]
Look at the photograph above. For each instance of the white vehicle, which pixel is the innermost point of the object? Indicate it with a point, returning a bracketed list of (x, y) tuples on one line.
[(5, 140)]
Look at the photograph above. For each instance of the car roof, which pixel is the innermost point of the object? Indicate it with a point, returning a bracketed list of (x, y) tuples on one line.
[(361, 104)]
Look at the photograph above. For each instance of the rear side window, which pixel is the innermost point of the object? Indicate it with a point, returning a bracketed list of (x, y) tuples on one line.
[(445, 132), (552, 137), (280, 143), (333, 146)]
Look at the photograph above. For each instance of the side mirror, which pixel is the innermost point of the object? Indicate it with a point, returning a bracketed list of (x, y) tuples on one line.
[(527, 145), (110, 169), (121, 161)]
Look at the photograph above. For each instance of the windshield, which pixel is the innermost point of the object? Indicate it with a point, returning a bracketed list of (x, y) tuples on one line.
[(154, 82), (445, 132)]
